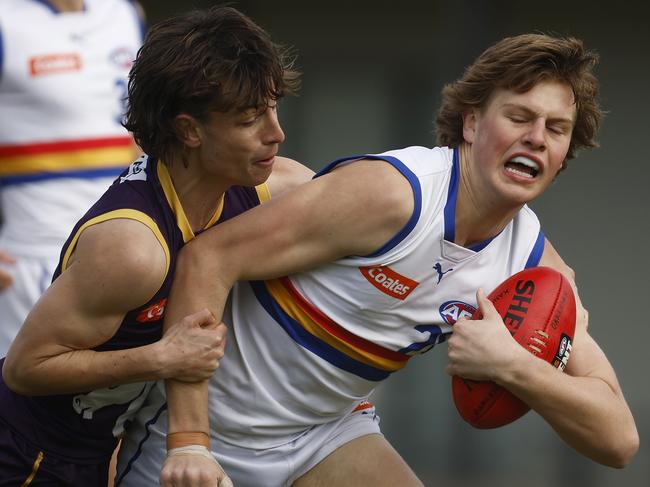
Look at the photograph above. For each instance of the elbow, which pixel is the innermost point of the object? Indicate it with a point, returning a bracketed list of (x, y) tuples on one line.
[(626, 451), (10, 376), (621, 452), (15, 377)]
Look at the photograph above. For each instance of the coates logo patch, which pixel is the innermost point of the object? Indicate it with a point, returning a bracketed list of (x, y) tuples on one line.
[(153, 312), (452, 311), (388, 281), (54, 64)]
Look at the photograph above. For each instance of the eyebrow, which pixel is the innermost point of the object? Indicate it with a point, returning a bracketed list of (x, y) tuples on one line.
[(533, 112), (250, 108)]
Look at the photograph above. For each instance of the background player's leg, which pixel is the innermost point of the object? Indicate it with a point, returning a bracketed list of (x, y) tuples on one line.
[(368, 460)]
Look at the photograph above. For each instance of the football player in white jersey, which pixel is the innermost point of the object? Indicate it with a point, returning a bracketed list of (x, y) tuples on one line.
[(375, 248), (63, 77)]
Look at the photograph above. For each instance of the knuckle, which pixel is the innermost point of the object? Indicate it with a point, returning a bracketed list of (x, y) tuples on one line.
[(205, 476)]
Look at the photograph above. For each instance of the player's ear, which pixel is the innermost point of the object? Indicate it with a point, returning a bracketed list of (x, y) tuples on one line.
[(188, 130), (469, 125)]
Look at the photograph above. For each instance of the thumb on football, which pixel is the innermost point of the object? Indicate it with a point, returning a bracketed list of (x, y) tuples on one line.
[(485, 306)]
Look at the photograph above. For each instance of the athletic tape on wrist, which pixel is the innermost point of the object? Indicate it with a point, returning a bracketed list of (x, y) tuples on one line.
[(186, 438), (191, 450)]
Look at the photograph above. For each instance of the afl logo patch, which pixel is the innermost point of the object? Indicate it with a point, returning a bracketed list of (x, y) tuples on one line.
[(452, 311), (122, 57), (563, 352)]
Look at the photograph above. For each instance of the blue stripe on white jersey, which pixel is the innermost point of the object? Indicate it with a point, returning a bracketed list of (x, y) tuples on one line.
[(450, 207), (538, 250), (311, 342), (44, 176)]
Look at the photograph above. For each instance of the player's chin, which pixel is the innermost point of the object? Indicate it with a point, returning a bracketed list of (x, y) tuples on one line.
[(522, 194), (259, 174)]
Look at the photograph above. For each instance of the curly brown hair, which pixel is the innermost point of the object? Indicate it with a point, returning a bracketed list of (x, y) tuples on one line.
[(215, 59), (519, 63)]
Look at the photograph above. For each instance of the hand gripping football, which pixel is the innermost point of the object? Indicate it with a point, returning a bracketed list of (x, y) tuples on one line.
[(539, 309)]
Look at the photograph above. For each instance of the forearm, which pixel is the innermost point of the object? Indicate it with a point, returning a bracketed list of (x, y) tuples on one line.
[(82, 370), (187, 404), (202, 280), (197, 285), (586, 412)]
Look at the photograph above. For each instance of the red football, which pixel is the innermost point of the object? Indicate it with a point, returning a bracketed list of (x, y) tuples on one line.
[(539, 309)]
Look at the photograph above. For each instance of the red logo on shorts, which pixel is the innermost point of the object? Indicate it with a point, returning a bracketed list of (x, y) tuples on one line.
[(388, 281), (153, 312)]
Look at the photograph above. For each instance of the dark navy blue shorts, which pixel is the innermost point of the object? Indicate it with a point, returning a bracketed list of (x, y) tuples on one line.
[(22, 464)]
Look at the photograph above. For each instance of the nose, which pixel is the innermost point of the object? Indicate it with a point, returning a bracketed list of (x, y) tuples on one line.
[(273, 133), (535, 136)]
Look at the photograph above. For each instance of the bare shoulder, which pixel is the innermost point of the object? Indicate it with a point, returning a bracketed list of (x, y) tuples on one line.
[(286, 175), (118, 262), (373, 187), (379, 188), (369, 201)]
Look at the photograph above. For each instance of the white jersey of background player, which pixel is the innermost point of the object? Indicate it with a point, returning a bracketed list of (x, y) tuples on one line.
[(63, 81), (309, 349)]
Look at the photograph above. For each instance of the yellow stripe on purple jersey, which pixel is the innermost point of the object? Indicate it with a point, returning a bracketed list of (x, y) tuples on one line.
[(315, 331), (263, 193), (127, 213), (175, 204)]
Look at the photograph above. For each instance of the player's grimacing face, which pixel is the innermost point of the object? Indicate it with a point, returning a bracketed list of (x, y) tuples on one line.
[(241, 145), (520, 140)]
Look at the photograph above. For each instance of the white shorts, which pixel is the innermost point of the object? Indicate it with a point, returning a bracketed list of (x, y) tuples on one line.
[(143, 450), (32, 276)]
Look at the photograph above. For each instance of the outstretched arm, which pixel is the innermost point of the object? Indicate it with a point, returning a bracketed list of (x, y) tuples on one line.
[(333, 216), (585, 405), (84, 307)]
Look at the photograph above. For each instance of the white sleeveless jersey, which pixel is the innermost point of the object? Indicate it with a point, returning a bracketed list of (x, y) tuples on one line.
[(306, 349), (63, 83)]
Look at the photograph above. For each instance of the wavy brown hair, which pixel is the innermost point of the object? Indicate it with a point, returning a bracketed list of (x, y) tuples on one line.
[(519, 63), (203, 61)]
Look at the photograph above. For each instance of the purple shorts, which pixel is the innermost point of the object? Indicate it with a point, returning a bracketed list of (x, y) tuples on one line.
[(22, 463)]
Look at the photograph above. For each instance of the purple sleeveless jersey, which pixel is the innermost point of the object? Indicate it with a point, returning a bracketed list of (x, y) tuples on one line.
[(82, 428)]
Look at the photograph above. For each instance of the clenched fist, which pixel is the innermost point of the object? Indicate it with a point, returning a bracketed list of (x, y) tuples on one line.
[(191, 349)]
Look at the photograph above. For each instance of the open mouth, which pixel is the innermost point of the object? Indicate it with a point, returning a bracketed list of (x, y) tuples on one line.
[(523, 166)]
